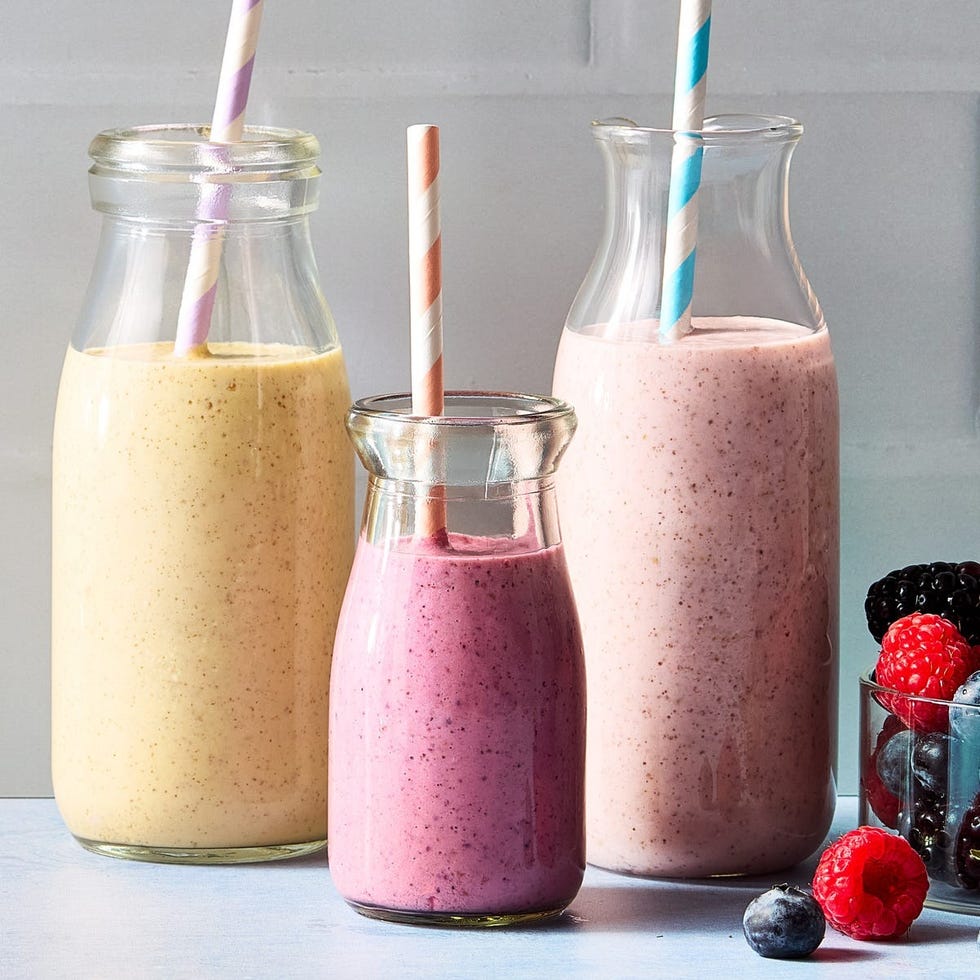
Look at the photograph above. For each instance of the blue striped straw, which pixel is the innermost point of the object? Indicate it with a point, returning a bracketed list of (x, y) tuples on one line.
[(685, 169)]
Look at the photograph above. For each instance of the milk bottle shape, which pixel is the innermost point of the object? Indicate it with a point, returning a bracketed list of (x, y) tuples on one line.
[(457, 720), (203, 513)]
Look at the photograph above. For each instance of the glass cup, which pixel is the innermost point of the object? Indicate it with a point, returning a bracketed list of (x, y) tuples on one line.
[(920, 776)]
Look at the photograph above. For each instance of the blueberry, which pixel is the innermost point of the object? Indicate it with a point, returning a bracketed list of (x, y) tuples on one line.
[(965, 722), (930, 761), (894, 760), (969, 691), (785, 922)]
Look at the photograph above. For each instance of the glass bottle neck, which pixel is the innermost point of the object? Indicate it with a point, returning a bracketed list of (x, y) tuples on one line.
[(196, 226), (478, 478), (503, 518), (746, 264), (267, 290)]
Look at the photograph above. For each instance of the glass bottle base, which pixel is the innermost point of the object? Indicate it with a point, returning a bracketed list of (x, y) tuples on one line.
[(944, 899), (202, 855), (466, 920)]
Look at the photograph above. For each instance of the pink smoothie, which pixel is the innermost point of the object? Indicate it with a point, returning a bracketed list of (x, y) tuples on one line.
[(702, 536), (457, 731)]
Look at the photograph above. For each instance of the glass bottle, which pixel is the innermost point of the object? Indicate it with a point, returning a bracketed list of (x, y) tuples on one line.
[(203, 520), (702, 522), (457, 727)]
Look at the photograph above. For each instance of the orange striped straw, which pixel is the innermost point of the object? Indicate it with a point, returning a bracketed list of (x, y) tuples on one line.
[(425, 288), (425, 269)]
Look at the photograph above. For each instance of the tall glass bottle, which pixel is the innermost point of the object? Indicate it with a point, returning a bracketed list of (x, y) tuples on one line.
[(457, 728), (702, 523), (202, 513)]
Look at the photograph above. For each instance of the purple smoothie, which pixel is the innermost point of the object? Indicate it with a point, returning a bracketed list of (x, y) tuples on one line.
[(457, 730)]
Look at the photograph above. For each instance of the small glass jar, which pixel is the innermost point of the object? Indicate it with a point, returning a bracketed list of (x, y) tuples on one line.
[(920, 776), (203, 518), (457, 720)]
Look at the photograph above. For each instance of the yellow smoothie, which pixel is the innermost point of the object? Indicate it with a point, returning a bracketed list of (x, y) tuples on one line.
[(203, 534)]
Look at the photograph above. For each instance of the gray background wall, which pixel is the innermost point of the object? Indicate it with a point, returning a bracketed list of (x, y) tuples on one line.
[(884, 208)]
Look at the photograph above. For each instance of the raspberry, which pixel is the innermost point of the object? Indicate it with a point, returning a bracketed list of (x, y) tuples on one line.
[(870, 884), (950, 590), (924, 655)]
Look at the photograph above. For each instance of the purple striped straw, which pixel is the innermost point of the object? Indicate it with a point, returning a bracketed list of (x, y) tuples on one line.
[(227, 125), (685, 169)]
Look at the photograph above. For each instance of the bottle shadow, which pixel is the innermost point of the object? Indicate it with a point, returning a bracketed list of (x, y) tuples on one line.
[(617, 903), (661, 906)]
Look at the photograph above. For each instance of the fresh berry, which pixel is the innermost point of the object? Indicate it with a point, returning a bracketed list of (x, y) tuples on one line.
[(785, 922), (930, 761), (949, 590), (870, 884), (894, 761), (922, 822), (883, 802), (966, 847), (965, 722), (923, 655)]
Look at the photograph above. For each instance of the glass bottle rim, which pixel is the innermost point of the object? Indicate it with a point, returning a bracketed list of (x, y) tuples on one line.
[(721, 130), (507, 408), (178, 150)]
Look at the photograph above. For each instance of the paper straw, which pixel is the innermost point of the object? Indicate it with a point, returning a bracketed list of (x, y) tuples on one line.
[(227, 124), (425, 269), (685, 169), (425, 290)]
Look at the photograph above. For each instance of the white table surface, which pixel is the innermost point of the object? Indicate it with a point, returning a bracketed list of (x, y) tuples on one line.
[(67, 913)]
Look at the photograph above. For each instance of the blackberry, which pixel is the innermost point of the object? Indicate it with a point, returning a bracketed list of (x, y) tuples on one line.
[(966, 851), (944, 588), (921, 821)]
